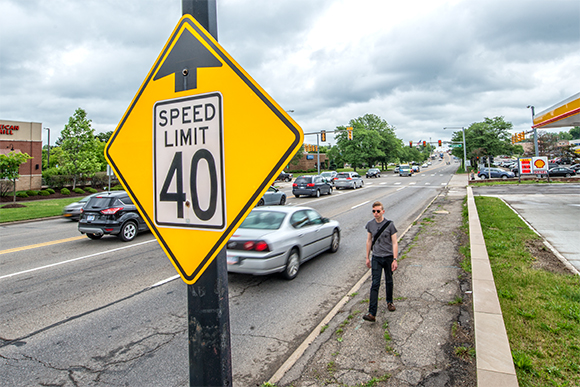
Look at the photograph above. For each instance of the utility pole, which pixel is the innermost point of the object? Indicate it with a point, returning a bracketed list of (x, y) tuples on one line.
[(208, 316)]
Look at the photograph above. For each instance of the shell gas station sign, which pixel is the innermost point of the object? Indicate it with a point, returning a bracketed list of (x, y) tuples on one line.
[(533, 165)]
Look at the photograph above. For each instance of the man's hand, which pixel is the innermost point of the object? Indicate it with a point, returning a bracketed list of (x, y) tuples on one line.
[(368, 263), (394, 265)]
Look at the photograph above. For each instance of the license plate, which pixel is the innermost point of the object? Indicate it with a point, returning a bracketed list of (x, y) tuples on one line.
[(233, 260), (90, 218)]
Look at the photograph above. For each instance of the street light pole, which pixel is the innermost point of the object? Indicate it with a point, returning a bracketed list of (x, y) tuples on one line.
[(48, 150), (464, 150), (535, 131)]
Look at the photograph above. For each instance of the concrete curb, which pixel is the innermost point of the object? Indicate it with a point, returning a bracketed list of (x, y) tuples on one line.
[(495, 365)]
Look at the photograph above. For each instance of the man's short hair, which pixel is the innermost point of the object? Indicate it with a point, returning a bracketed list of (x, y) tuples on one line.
[(378, 204)]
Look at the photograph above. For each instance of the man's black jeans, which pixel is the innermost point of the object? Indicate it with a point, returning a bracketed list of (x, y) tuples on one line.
[(378, 265)]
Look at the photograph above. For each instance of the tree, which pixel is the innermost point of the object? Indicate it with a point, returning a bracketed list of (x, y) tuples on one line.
[(9, 166), (575, 133), (79, 147), (488, 138), (298, 156), (104, 137)]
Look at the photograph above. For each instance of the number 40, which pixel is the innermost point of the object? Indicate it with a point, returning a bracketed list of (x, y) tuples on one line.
[(179, 197)]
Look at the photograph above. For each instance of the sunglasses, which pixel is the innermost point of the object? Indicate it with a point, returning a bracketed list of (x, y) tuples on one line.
[(376, 211)]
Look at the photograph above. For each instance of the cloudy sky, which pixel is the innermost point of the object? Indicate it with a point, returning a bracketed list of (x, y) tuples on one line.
[(419, 64)]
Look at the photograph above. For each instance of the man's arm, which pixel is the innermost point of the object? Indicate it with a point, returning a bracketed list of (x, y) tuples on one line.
[(395, 264), (369, 244)]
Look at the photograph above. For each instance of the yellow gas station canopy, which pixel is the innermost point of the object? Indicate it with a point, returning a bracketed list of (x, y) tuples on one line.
[(563, 114)]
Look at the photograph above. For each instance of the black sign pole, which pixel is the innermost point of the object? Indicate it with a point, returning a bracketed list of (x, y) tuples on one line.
[(208, 313)]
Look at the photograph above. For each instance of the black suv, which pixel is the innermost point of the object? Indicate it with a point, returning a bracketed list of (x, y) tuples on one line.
[(111, 213)]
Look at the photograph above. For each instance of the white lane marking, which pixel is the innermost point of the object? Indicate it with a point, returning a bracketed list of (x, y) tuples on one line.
[(358, 205), (75, 259), (165, 281), (443, 183), (398, 183), (427, 183), (433, 175), (334, 192), (383, 183), (369, 183), (413, 182), (398, 189)]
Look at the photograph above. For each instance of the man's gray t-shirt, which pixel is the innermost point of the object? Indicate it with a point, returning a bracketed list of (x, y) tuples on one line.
[(384, 245)]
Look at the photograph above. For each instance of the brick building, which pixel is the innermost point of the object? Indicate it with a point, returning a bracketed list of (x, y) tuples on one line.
[(24, 137), (307, 162)]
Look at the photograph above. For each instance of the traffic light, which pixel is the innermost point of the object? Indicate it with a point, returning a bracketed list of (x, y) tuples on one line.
[(323, 136), (439, 142), (349, 129), (410, 144), (523, 136), (424, 144)]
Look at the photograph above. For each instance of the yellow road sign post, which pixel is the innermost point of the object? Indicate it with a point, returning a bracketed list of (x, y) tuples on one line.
[(181, 148)]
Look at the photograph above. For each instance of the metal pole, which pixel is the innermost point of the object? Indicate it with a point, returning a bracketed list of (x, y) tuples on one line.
[(464, 151), (208, 315), (318, 151), (48, 150)]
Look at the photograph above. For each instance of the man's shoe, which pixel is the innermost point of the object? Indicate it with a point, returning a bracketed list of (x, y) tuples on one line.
[(391, 307), (369, 317)]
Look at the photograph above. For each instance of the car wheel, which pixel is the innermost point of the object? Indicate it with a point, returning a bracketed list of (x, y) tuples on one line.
[(362, 183), (317, 193), (567, 175), (289, 179), (504, 177), (335, 242), (283, 200), (292, 265), (128, 231), (297, 196), (94, 236), (330, 191), (260, 203)]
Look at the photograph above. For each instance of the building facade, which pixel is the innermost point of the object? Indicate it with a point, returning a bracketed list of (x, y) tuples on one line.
[(24, 137)]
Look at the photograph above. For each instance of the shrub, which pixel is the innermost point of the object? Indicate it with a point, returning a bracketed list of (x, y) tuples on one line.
[(65, 191), (50, 190), (118, 187), (91, 190), (44, 193), (31, 192), (21, 194), (78, 190)]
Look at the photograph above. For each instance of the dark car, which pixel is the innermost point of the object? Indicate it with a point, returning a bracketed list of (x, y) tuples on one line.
[(494, 173), (111, 213), (284, 176), (373, 172), (561, 172), (312, 185), (73, 210), (575, 167)]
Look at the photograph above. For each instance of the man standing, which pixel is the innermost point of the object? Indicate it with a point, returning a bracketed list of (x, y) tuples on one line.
[(382, 243)]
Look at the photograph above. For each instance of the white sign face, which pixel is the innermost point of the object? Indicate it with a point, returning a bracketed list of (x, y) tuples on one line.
[(188, 162), (533, 165)]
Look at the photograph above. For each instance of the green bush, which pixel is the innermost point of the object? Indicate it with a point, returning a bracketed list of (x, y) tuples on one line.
[(50, 190), (78, 190), (31, 192), (118, 187), (21, 194), (65, 191), (91, 190), (44, 193)]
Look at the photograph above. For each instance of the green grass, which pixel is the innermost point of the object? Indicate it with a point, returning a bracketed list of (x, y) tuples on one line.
[(36, 209), (541, 309)]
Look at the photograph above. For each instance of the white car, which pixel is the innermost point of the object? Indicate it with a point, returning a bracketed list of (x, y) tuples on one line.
[(279, 239)]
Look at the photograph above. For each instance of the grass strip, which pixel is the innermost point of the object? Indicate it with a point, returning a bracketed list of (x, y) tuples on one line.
[(36, 209), (541, 309)]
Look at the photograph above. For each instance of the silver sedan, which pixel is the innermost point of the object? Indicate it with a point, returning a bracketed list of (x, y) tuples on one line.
[(279, 240)]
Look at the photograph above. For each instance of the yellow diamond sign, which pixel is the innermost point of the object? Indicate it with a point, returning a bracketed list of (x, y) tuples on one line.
[(198, 146)]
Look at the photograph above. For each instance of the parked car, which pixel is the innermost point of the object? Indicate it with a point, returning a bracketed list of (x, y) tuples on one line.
[(312, 185), (373, 172), (111, 213), (329, 175), (73, 210), (280, 239), (425, 165), (494, 173), (272, 196), (416, 168), (405, 170), (575, 167), (397, 169), (284, 176), (561, 172), (348, 180)]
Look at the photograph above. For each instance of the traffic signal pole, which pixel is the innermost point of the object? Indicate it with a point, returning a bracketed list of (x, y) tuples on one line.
[(208, 313)]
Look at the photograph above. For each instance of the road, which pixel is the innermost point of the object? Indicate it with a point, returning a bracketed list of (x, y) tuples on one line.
[(104, 312)]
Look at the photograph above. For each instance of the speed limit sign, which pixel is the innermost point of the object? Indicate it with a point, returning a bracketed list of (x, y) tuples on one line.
[(188, 162)]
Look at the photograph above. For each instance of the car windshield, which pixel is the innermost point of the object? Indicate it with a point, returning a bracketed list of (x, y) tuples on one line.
[(264, 220), (98, 202), (343, 175), (326, 174)]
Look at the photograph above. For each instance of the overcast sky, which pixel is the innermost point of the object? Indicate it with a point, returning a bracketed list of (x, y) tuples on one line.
[(420, 65)]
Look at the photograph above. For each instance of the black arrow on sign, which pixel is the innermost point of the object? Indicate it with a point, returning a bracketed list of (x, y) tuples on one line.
[(185, 58)]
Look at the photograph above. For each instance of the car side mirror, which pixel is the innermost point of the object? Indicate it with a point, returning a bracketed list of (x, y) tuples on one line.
[(325, 220)]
